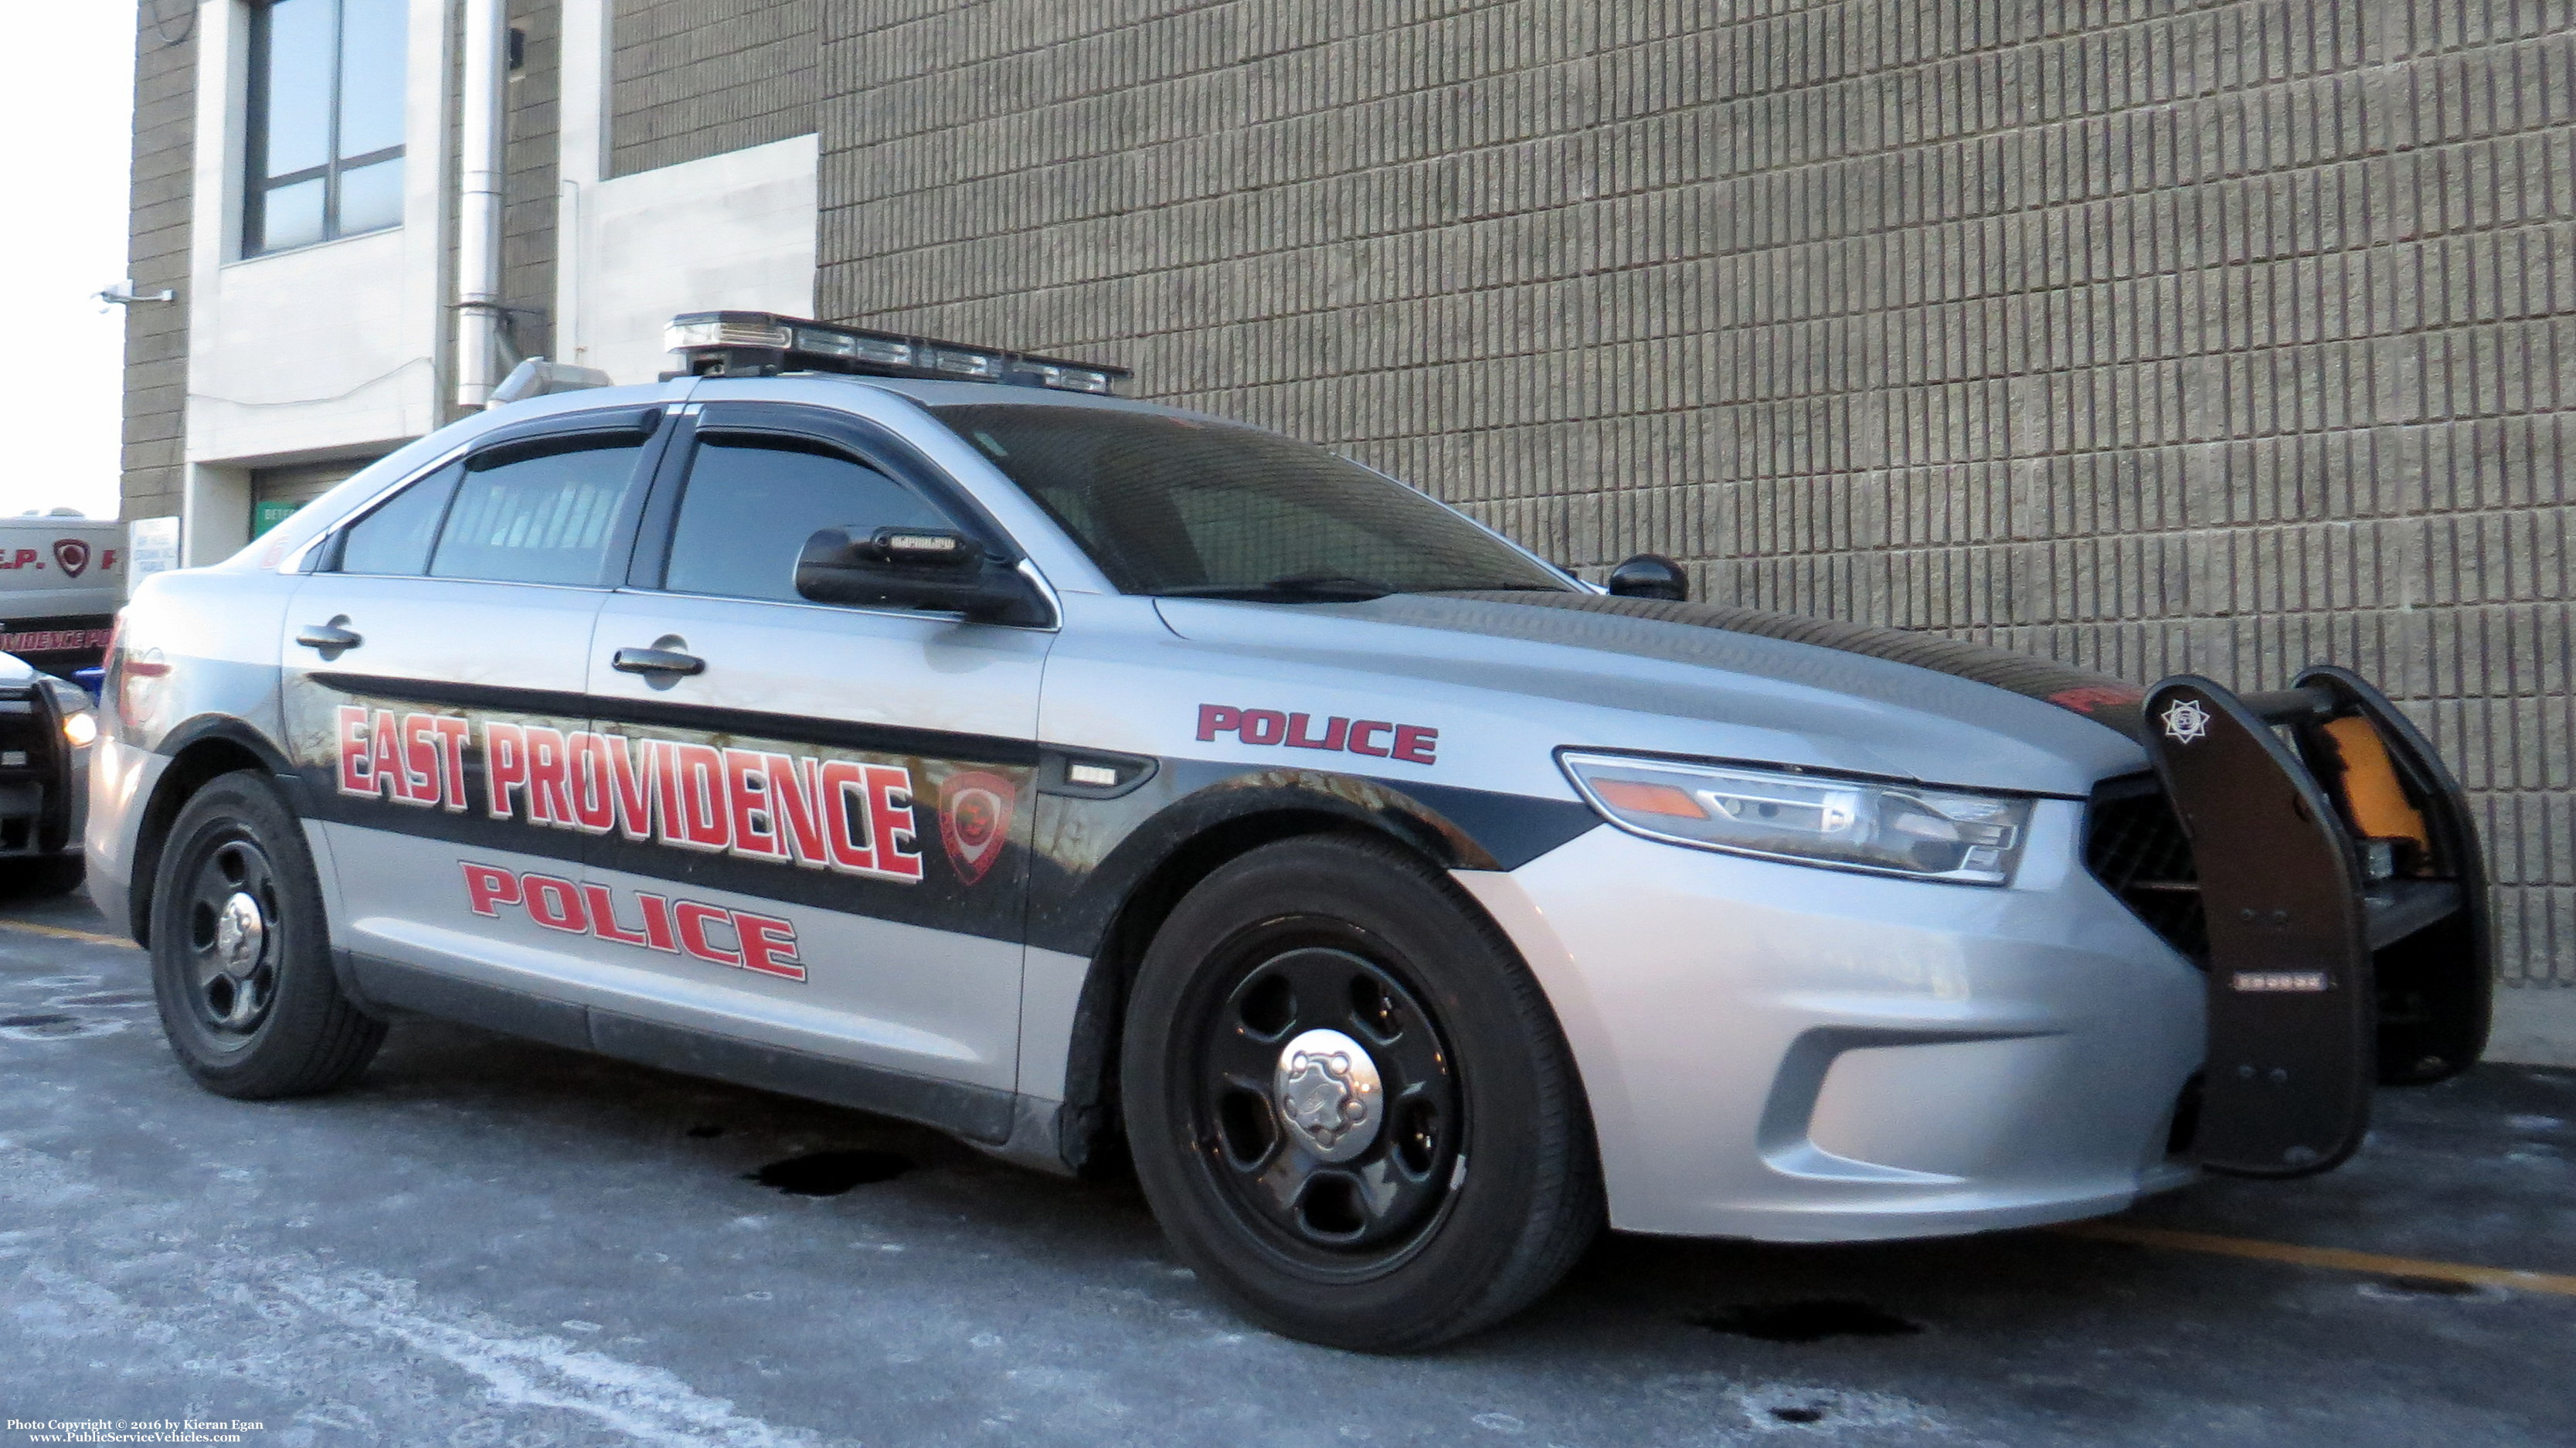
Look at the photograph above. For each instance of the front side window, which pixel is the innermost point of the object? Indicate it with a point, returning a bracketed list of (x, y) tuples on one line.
[(753, 500), (1193, 508), (325, 121)]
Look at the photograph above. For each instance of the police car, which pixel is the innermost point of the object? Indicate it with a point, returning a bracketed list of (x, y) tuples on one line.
[(46, 726), (923, 728)]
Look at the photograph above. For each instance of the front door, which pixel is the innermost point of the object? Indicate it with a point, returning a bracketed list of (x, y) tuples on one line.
[(822, 847), (447, 627)]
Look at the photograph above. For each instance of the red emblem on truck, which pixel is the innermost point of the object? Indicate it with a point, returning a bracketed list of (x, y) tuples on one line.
[(974, 818), (73, 555)]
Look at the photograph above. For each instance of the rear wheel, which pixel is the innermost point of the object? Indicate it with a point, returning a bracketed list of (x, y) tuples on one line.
[(241, 954), (1349, 1103)]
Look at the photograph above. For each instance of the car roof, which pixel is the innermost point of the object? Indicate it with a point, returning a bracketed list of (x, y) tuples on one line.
[(928, 393)]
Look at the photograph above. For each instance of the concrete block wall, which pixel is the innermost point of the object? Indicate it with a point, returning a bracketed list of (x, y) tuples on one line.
[(158, 239), (2140, 333), (531, 167), (696, 78)]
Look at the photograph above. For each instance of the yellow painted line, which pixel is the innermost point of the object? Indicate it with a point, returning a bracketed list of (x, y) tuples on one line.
[(60, 932), (2336, 1258)]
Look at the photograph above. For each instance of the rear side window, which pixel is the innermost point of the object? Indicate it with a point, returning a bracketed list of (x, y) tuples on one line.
[(396, 537), (540, 513), (752, 501)]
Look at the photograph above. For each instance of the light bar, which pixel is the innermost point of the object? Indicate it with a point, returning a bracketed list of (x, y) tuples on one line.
[(763, 344)]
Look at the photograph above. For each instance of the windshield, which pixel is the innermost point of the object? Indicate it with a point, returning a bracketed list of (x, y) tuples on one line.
[(1184, 507)]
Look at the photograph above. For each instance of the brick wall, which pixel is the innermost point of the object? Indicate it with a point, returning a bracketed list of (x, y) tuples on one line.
[(156, 333), (2153, 335), (693, 78), (531, 167)]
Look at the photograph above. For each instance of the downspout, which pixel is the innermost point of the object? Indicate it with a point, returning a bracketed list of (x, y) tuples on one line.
[(482, 132)]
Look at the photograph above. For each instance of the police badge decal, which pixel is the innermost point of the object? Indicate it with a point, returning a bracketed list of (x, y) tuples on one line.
[(974, 819)]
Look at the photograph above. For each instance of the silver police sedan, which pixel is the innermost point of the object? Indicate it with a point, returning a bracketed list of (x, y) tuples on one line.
[(923, 728)]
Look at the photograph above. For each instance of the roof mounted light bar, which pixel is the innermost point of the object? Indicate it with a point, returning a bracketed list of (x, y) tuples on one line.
[(764, 344)]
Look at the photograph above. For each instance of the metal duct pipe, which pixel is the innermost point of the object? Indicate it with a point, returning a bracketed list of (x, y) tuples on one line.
[(483, 132)]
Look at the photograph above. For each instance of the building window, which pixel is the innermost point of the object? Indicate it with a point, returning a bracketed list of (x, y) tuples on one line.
[(325, 121)]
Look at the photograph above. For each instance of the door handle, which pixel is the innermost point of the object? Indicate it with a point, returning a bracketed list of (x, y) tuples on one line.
[(657, 661), (328, 636)]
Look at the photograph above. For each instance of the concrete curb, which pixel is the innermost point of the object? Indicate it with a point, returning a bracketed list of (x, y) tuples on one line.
[(2535, 1025)]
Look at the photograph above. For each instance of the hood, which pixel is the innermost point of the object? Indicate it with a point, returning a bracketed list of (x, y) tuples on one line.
[(1647, 675), (2113, 703)]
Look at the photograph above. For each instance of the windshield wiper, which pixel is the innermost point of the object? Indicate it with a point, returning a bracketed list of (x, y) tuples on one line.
[(1289, 588)]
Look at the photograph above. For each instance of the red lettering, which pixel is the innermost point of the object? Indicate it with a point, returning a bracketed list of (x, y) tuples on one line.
[(1215, 719), (555, 904), (635, 786), (694, 918), (796, 810), (657, 922), (898, 849), (25, 557), (603, 918), (422, 778), (701, 820), (768, 945), (487, 888), (1414, 744), (592, 772), (1263, 726), (384, 738), (107, 559), (505, 767), (755, 828), (847, 833), (452, 733), (1299, 739), (1360, 733), (357, 762), (549, 794)]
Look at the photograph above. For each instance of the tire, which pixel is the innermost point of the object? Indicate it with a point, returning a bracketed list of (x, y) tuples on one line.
[(252, 1011), (1312, 1211)]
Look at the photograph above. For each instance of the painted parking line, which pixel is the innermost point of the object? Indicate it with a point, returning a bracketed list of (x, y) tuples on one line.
[(65, 932), (2336, 1258)]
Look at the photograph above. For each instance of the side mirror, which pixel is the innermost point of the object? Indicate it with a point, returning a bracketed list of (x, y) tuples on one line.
[(1650, 575), (924, 568)]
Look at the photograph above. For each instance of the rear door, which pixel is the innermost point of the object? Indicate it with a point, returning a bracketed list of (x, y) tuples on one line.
[(432, 665), (839, 797)]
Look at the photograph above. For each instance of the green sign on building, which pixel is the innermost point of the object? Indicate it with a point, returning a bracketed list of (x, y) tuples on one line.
[(268, 514)]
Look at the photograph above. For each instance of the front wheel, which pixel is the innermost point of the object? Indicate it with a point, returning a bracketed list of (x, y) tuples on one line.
[(1349, 1103), (241, 952)]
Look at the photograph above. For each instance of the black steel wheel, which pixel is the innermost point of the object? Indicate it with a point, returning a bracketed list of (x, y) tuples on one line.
[(232, 939), (241, 964), (1327, 1095), (1349, 1104)]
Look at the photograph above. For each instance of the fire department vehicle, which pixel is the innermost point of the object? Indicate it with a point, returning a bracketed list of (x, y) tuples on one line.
[(923, 728)]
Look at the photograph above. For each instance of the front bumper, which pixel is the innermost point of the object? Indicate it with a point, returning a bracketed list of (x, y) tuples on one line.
[(1788, 1053)]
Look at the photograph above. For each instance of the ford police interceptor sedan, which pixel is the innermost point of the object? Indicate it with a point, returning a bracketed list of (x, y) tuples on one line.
[(1071, 773)]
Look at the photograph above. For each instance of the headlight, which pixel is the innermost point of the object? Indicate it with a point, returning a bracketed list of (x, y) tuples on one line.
[(81, 728), (1813, 819)]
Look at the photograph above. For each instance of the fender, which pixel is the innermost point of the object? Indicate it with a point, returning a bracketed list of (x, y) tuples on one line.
[(1189, 818), (197, 730), (1077, 889)]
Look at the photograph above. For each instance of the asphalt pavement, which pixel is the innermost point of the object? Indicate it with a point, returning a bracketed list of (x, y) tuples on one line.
[(492, 1243)]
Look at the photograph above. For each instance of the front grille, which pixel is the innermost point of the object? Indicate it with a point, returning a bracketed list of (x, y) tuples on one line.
[(2135, 845)]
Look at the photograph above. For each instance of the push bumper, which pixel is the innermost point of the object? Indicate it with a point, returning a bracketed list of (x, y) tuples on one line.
[(2343, 894), (1794, 1054)]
